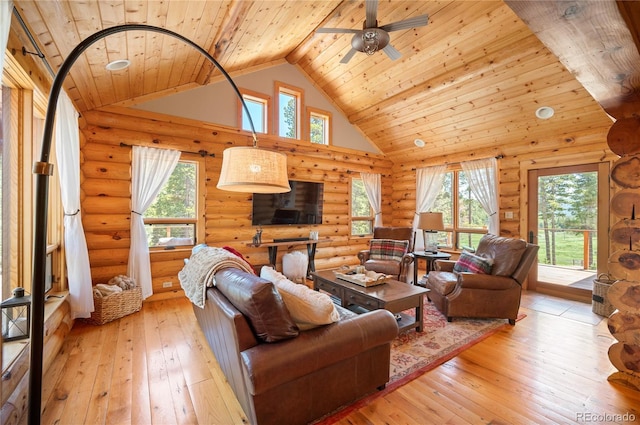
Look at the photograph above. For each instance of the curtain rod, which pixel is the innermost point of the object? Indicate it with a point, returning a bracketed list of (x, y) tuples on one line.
[(201, 152), (497, 157), (33, 42)]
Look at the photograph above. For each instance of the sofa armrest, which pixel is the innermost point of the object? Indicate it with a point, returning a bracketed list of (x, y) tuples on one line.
[(407, 259), (363, 256), (445, 265), (269, 365), (485, 281)]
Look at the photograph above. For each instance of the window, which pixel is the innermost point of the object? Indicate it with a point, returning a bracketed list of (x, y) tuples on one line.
[(464, 218), (319, 126), (361, 212), (22, 108), (288, 107), (259, 108), (172, 219)]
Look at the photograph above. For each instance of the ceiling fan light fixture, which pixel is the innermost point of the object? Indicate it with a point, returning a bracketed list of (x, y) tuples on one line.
[(118, 65), (370, 42)]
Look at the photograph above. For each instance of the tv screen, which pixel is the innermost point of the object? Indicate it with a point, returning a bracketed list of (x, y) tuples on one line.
[(303, 205)]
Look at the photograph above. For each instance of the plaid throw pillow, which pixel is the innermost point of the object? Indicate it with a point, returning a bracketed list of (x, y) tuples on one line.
[(471, 263), (387, 249)]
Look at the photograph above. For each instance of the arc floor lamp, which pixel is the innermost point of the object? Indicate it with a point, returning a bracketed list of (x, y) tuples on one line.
[(261, 177)]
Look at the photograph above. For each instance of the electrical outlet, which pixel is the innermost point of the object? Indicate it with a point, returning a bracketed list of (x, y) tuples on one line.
[(508, 214), (167, 284)]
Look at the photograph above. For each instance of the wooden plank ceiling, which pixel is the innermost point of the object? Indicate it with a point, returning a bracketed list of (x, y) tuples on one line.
[(470, 80)]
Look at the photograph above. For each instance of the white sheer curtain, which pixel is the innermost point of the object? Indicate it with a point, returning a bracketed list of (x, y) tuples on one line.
[(75, 244), (151, 169), (6, 9), (483, 182), (428, 185), (373, 187)]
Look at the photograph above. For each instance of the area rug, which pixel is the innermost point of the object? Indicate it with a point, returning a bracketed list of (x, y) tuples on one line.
[(415, 353)]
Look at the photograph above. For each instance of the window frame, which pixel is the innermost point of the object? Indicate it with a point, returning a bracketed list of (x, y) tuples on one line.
[(198, 220), (296, 92), (23, 115), (454, 230), (328, 128), (257, 97), (352, 218)]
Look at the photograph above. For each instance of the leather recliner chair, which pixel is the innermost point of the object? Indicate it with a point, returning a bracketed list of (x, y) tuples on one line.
[(494, 295), (398, 268)]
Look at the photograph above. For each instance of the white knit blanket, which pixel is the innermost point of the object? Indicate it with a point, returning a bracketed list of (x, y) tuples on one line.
[(197, 273)]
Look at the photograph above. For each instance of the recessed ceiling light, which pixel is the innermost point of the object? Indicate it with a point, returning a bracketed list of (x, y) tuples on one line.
[(419, 143), (118, 65), (545, 112)]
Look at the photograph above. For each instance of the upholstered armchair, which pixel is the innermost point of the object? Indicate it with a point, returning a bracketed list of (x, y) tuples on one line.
[(485, 284), (390, 252)]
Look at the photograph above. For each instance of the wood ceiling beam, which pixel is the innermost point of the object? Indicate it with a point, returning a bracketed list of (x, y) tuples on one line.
[(595, 43)]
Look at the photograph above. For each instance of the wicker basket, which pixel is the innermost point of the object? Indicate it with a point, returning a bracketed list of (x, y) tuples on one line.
[(115, 306), (601, 304)]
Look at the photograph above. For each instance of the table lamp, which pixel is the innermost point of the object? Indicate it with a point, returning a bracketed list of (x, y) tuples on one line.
[(430, 223)]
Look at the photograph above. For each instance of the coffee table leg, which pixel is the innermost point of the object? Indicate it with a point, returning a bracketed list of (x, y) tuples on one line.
[(419, 311)]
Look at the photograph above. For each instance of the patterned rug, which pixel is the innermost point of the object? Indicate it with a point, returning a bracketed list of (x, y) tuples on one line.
[(415, 353)]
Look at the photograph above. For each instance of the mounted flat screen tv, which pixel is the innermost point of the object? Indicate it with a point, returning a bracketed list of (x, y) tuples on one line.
[(303, 205)]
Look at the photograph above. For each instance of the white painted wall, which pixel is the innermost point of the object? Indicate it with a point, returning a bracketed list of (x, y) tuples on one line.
[(217, 103)]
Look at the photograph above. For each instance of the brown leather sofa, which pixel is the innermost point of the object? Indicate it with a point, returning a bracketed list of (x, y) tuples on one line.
[(304, 374), (494, 295), (400, 268)]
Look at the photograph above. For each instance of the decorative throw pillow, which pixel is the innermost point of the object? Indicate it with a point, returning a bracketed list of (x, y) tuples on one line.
[(260, 302), (308, 308), (387, 249), (471, 263)]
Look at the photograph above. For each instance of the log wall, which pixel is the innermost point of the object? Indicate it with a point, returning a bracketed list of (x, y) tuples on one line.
[(106, 182), (516, 158)]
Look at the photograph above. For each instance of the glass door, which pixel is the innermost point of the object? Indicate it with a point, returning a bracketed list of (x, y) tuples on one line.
[(568, 216)]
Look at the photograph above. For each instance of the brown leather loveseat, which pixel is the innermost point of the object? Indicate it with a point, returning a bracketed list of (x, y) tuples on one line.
[(298, 376), (493, 294)]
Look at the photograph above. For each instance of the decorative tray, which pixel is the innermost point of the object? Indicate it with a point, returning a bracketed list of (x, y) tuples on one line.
[(366, 279)]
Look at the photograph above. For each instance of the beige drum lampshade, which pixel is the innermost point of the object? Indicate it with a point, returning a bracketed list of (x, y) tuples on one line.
[(253, 170)]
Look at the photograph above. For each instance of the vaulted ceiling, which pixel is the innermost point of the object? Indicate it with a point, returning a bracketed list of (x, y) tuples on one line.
[(469, 80)]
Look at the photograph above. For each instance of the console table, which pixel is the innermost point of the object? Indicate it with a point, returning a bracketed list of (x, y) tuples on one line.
[(311, 250)]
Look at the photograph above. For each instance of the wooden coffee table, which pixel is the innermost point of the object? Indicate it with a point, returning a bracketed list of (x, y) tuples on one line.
[(393, 295)]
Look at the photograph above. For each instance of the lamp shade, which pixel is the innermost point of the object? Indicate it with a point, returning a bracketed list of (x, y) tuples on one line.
[(253, 170), (431, 221)]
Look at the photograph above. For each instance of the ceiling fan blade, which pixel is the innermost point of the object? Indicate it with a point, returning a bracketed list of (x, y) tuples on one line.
[(371, 10), (338, 30), (348, 56), (417, 21), (392, 52)]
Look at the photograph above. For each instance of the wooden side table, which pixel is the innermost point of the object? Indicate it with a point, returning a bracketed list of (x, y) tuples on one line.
[(431, 258)]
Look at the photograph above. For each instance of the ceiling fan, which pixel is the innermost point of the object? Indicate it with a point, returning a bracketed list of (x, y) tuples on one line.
[(372, 38)]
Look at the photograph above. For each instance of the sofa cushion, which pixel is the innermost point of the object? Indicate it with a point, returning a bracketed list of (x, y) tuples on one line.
[(442, 283), (260, 302), (387, 249), (505, 252), (383, 266), (308, 308), (471, 263)]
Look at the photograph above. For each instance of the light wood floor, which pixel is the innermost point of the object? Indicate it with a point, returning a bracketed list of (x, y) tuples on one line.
[(154, 367)]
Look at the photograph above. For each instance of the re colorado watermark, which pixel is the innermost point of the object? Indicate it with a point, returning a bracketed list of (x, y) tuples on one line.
[(605, 417)]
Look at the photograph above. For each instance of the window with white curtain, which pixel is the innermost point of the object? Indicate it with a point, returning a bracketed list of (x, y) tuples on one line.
[(465, 220), (362, 215), (172, 219)]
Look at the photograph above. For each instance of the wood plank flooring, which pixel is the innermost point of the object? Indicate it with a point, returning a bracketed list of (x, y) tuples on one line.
[(154, 367)]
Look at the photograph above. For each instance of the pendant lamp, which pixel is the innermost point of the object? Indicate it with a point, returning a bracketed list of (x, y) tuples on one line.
[(253, 170)]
